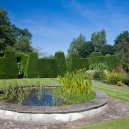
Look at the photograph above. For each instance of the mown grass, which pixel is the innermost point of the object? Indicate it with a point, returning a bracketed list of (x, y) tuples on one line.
[(122, 123), (117, 93), (27, 81)]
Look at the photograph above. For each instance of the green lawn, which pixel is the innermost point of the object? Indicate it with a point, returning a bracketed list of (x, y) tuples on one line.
[(26, 81), (122, 123), (113, 92)]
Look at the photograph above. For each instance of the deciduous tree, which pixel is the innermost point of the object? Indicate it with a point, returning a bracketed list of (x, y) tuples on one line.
[(99, 40), (121, 47), (6, 35), (76, 44)]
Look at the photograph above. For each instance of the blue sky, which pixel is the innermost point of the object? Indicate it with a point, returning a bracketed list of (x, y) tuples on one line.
[(54, 23)]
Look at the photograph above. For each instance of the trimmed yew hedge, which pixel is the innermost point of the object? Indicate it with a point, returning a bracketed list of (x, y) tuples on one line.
[(93, 57), (31, 66), (61, 63), (47, 68), (43, 68), (8, 66), (75, 63)]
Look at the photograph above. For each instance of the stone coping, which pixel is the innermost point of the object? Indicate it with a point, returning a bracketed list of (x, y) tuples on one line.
[(100, 101)]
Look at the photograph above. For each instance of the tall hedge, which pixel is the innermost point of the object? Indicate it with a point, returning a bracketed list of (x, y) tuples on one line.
[(40, 67), (61, 63), (47, 68), (73, 62), (8, 66), (84, 63), (111, 61), (93, 57), (31, 66)]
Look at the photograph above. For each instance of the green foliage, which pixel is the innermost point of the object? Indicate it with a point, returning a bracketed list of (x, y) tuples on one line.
[(52, 68), (86, 49), (84, 63), (125, 79), (14, 93), (73, 62), (47, 68), (31, 66), (6, 35), (40, 67), (23, 45), (93, 57), (89, 73), (61, 64), (121, 47), (107, 49), (112, 62), (74, 84), (76, 44), (98, 75), (8, 65), (109, 62), (113, 77), (72, 99), (23, 40), (22, 59), (99, 40)]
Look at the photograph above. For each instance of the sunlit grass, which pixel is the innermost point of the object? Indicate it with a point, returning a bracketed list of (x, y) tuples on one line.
[(28, 81), (122, 123)]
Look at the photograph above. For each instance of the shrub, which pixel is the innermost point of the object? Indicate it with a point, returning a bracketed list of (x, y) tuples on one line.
[(113, 77), (125, 79), (73, 83), (89, 73), (119, 83), (75, 87), (98, 66), (98, 75)]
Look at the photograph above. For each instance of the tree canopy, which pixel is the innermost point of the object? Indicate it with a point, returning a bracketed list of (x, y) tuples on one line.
[(6, 36), (99, 40), (76, 44), (86, 49), (23, 39), (12, 37), (121, 47)]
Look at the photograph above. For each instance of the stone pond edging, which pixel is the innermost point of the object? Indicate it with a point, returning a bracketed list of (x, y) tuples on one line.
[(54, 114)]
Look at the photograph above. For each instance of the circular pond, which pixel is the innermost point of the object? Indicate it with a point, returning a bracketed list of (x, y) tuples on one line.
[(54, 114)]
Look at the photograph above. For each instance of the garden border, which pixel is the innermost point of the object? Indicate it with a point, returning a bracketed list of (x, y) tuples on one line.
[(54, 114)]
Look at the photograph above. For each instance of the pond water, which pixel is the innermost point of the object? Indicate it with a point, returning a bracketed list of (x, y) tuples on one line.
[(42, 98)]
